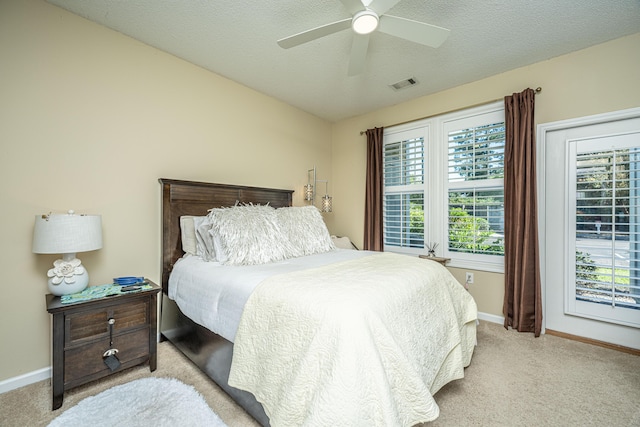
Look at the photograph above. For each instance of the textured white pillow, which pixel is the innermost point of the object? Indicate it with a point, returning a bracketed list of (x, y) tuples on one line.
[(249, 234), (305, 229)]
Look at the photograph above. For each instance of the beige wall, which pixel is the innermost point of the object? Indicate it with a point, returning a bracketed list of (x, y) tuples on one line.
[(89, 120), (591, 81)]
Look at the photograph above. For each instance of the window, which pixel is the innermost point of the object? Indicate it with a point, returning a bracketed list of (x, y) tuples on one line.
[(475, 161), (476, 222), (444, 184)]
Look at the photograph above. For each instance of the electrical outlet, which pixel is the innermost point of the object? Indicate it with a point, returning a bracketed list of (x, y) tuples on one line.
[(469, 278)]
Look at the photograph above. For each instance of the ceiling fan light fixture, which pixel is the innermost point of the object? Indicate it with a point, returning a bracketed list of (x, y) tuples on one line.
[(365, 22)]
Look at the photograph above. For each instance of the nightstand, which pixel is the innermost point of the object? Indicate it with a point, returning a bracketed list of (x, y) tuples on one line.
[(81, 335), (442, 261)]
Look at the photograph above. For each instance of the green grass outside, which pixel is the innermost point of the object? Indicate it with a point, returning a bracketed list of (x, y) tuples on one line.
[(603, 274)]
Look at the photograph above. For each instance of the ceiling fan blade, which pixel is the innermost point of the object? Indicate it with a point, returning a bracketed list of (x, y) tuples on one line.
[(418, 32), (358, 54), (382, 6), (315, 33), (353, 6)]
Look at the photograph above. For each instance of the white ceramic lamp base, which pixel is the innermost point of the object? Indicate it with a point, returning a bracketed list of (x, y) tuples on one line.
[(67, 276), (64, 288)]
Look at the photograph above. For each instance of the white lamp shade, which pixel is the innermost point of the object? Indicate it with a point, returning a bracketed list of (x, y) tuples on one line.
[(67, 233)]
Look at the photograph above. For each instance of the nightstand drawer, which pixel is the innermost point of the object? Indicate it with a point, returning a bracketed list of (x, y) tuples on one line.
[(93, 325), (87, 360)]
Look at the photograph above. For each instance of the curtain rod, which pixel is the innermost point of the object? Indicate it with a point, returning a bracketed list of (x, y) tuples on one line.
[(536, 91)]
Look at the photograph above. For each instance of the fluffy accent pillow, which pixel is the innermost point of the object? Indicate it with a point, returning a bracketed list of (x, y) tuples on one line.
[(221, 255), (305, 229), (249, 234)]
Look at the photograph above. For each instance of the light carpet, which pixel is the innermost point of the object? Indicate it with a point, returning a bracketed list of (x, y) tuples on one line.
[(514, 380), (145, 402)]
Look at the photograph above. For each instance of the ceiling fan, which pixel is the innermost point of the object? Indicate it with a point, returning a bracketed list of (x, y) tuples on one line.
[(368, 16)]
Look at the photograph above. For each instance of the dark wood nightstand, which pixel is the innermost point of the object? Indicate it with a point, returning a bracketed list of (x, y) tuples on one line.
[(81, 335), (441, 260)]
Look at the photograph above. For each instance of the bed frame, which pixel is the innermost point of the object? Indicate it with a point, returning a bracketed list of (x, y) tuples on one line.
[(209, 351)]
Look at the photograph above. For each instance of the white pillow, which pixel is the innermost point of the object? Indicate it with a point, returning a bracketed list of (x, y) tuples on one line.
[(305, 229), (188, 235), (249, 235), (204, 241), (342, 242)]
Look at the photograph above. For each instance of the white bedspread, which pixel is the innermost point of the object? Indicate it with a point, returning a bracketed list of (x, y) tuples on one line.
[(364, 342)]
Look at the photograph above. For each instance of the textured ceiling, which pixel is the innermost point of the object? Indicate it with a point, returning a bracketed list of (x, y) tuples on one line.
[(237, 39)]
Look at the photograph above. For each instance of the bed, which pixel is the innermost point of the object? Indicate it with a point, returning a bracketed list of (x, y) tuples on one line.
[(349, 353)]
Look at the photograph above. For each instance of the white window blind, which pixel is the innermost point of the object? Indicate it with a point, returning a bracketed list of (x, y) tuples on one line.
[(404, 220), (475, 175), (404, 197), (404, 162)]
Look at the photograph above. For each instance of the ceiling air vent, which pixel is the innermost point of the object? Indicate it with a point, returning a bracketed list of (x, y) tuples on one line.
[(403, 84)]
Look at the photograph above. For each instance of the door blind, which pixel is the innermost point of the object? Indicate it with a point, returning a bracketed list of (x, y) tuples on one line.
[(608, 227)]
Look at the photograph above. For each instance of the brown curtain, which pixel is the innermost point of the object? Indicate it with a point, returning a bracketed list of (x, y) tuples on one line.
[(373, 240), (522, 299)]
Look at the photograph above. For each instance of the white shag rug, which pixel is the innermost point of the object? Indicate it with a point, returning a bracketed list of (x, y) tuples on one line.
[(148, 402)]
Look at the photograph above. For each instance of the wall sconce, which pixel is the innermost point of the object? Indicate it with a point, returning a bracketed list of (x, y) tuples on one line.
[(310, 191), (67, 234)]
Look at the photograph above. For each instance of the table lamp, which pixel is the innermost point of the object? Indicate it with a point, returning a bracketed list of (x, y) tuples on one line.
[(67, 234)]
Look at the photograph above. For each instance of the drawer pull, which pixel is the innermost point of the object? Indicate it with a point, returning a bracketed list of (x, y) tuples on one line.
[(109, 356), (110, 352)]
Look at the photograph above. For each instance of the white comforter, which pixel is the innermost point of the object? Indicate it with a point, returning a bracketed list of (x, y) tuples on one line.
[(357, 343)]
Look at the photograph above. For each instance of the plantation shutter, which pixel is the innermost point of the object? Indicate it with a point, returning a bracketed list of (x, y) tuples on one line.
[(607, 227), (404, 200)]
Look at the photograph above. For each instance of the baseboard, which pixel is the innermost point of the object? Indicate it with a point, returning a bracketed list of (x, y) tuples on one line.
[(25, 379), (491, 318), (634, 351)]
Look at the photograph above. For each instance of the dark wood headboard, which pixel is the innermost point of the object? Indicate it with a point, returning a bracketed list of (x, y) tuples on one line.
[(196, 198)]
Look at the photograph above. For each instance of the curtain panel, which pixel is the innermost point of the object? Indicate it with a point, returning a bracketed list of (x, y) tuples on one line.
[(373, 227), (522, 306)]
